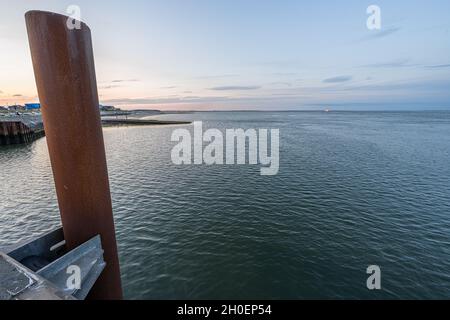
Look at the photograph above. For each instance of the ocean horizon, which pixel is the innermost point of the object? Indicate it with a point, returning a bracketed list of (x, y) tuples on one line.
[(354, 189)]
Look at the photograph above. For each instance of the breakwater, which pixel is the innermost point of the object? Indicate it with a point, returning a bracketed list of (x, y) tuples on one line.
[(18, 132), (27, 129)]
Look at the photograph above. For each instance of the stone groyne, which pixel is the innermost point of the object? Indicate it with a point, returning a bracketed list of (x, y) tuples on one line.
[(18, 132)]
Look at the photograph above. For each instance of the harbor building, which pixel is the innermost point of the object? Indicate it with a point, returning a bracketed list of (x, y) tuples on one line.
[(32, 106)]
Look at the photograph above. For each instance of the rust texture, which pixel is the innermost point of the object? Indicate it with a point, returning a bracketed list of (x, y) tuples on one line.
[(65, 77)]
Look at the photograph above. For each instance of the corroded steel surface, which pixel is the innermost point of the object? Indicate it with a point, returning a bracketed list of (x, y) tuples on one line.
[(65, 76)]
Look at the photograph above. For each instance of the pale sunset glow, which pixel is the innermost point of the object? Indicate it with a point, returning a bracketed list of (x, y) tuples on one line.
[(224, 159), (270, 55)]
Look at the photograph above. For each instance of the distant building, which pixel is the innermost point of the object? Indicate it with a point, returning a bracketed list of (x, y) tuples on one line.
[(32, 106), (16, 107), (107, 108)]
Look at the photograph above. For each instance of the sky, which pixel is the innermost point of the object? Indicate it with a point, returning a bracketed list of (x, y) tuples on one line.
[(249, 54)]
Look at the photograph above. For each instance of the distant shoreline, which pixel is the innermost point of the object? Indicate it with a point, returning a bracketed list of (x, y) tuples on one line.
[(274, 111)]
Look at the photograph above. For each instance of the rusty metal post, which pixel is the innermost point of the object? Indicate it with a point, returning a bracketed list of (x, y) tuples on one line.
[(65, 77)]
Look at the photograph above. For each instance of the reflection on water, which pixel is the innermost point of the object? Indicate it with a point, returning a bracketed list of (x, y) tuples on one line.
[(354, 189)]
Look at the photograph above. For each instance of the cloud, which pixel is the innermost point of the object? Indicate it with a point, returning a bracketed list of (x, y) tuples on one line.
[(169, 87), (439, 66), (381, 34), (283, 74), (409, 88), (142, 101), (235, 88), (399, 63), (17, 95), (280, 65), (280, 83), (420, 93), (109, 87), (338, 79), (117, 83), (124, 80)]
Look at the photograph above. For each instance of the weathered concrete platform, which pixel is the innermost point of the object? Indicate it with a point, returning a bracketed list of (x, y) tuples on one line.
[(19, 130), (40, 269)]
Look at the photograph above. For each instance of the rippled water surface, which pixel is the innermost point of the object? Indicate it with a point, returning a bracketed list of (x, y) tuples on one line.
[(354, 189)]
